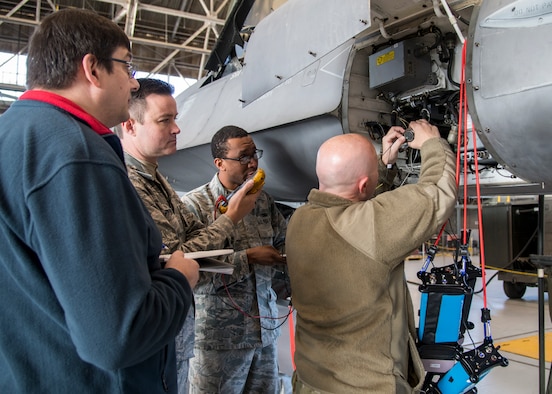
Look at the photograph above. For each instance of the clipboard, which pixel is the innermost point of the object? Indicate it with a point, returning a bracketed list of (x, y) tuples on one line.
[(207, 262)]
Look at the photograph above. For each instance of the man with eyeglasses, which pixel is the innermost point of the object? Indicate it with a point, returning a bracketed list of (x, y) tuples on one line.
[(236, 315), (86, 306), (130, 67), (150, 133)]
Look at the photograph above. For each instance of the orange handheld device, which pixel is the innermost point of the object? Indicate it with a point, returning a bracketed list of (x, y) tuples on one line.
[(258, 182)]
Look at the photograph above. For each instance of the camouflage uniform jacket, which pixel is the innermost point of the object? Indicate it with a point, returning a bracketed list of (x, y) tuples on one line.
[(179, 229), (229, 306)]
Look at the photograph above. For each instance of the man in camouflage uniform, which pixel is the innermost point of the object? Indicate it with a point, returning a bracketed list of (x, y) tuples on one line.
[(237, 316), (151, 133)]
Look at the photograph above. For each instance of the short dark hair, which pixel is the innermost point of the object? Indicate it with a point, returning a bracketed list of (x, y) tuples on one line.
[(61, 41), (148, 86), (219, 146)]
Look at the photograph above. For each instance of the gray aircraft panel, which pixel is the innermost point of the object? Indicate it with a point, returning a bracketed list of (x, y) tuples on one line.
[(284, 44), (508, 85), (510, 89)]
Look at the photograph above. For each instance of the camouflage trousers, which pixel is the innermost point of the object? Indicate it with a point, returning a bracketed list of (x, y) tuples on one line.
[(234, 371)]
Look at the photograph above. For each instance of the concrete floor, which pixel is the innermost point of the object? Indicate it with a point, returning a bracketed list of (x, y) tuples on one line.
[(511, 319)]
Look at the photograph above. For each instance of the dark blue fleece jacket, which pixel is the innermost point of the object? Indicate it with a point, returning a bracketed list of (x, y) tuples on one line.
[(86, 308)]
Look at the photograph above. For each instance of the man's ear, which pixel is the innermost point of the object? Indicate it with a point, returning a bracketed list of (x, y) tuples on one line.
[(219, 163), (128, 127), (362, 187), (91, 68)]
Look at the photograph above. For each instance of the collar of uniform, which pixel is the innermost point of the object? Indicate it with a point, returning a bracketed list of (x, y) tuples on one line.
[(147, 170), (327, 199), (218, 188)]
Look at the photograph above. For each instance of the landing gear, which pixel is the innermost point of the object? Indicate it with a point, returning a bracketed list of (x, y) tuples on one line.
[(514, 290)]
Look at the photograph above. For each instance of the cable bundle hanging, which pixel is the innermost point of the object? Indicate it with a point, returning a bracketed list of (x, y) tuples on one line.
[(446, 298)]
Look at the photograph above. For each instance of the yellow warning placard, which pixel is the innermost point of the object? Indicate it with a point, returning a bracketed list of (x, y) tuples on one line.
[(386, 57)]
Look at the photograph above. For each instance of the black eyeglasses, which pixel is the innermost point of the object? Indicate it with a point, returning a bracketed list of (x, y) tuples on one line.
[(246, 159), (130, 66)]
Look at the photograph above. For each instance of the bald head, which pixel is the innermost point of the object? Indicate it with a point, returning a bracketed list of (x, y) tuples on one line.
[(346, 165)]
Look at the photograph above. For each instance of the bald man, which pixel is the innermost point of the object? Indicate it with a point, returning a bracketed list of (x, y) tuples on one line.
[(345, 251)]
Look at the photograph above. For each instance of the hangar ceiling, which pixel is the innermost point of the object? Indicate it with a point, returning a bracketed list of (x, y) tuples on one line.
[(172, 37)]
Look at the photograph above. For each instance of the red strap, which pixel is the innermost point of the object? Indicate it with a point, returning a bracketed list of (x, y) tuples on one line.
[(291, 336)]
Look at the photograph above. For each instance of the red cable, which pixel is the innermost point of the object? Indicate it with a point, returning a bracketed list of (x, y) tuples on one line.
[(480, 219), (291, 337), (463, 120), (464, 117)]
